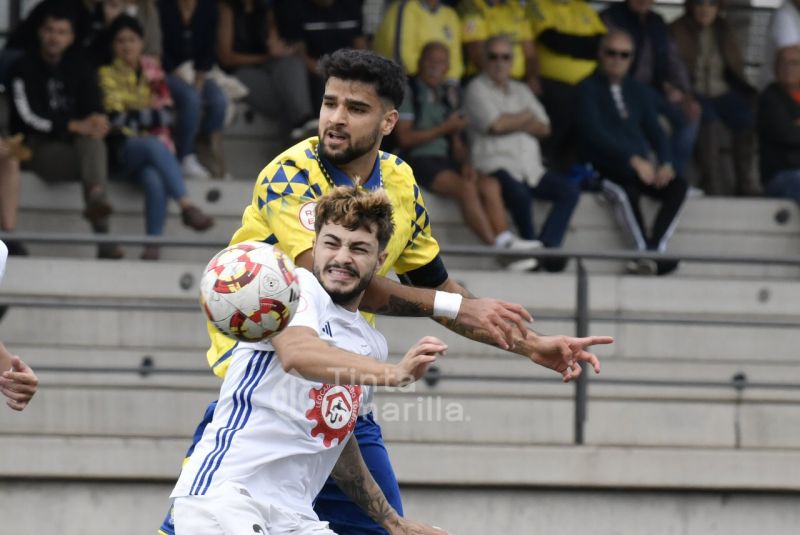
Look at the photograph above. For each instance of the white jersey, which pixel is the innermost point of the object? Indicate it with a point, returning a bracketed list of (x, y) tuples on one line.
[(3, 258), (275, 433)]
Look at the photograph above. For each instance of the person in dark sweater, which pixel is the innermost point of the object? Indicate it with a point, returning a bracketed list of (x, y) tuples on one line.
[(189, 29), (658, 65), (779, 128), (620, 135), (57, 107)]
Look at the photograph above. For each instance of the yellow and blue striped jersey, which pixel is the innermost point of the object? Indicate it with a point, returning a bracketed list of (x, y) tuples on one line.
[(282, 213)]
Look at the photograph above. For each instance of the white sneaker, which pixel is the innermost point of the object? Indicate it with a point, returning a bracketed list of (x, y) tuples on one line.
[(307, 129), (642, 266), (191, 167), (521, 264)]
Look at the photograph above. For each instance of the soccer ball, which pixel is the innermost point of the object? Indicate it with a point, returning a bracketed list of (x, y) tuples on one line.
[(250, 291)]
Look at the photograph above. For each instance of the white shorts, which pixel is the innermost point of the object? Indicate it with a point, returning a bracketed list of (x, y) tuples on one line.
[(231, 511)]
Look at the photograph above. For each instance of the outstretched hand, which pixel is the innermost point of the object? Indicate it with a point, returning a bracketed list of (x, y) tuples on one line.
[(18, 384), (499, 318), (418, 359), (565, 353), (404, 526)]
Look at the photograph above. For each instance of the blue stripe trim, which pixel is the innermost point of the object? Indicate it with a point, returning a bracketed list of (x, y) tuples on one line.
[(242, 408), (225, 356)]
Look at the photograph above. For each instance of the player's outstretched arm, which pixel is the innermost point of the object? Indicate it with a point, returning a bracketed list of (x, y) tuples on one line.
[(390, 298), (353, 477), (18, 383), (301, 350), (562, 354)]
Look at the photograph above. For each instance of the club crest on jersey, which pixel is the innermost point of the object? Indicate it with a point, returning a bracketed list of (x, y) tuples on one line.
[(306, 215), (335, 411)]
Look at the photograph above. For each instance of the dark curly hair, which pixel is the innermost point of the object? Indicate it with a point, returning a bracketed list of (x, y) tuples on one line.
[(357, 208), (366, 66)]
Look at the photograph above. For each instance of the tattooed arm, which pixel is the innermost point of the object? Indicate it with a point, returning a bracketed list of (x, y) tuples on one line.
[(353, 477), (560, 353)]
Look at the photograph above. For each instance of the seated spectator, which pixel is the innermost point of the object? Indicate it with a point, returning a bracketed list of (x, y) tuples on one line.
[(139, 106), (783, 31), (320, 27), (189, 30), (779, 128), (658, 65), (484, 19), (249, 46), (25, 36), (11, 152), (105, 11), (708, 47), (430, 133), (621, 136), (505, 122), (57, 106), (419, 22), (567, 34)]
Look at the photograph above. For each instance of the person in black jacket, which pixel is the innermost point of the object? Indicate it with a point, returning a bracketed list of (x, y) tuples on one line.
[(57, 107), (620, 135), (779, 128)]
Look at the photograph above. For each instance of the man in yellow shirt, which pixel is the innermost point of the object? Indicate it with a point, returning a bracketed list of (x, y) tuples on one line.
[(409, 25), (482, 19), (362, 93), (567, 34)]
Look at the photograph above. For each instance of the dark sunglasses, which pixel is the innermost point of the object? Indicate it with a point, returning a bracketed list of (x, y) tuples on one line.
[(622, 54), (495, 57), (706, 2)]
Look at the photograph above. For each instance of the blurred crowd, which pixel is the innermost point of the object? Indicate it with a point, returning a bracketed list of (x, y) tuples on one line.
[(508, 101)]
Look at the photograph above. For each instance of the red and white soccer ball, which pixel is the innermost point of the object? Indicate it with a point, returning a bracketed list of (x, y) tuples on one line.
[(250, 291)]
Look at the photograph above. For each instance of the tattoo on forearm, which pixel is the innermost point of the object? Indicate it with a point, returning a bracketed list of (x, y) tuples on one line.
[(399, 306), (354, 479), (521, 347)]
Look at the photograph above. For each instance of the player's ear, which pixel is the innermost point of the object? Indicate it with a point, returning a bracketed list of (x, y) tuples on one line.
[(389, 121), (381, 260)]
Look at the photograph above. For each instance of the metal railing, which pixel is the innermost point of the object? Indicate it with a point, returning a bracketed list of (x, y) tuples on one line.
[(581, 318)]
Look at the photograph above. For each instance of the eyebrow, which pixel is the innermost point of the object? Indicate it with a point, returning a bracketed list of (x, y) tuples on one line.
[(361, 243), (349, 101)]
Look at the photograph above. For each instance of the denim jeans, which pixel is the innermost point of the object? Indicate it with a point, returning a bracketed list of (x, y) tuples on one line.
[(785, 185), (191, 107), (148, 161), (733, 109), (684, 132), (518, 197)]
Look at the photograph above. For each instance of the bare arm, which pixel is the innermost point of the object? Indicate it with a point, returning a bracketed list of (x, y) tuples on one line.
[(353, 477), (300, 349), (523, 121), (225, 53), (17, 381)]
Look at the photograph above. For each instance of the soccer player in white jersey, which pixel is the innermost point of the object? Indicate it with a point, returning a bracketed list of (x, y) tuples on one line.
[(287, 408), (18, 383)]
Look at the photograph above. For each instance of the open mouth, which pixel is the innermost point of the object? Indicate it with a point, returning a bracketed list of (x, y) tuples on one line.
[(335, 137), (341, 274)]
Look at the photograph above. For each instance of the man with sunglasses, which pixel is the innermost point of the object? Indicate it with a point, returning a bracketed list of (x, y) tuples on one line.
[(506, 122), (621, 136), (658, 65)]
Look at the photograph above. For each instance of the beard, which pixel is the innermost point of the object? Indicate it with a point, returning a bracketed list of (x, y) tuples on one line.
[(343, 297), (355, 149)]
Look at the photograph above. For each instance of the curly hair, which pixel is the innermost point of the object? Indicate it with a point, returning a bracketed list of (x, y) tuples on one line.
[(366, 66), (356, 208)]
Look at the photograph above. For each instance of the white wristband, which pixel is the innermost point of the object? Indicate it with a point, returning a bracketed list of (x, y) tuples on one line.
[(447, 305)]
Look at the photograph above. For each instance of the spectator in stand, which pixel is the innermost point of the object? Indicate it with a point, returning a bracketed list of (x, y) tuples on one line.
[(783, 31), (189, 29), (250, 46), (320, 27), (430, 132), (621, 136), (25, 35), (708, 47), (779, 128), (505, 123), (420, 22), (657, 64), (567, 34), (137, 100), (105, 11), (484, 19), (9, 190), (57, 107)]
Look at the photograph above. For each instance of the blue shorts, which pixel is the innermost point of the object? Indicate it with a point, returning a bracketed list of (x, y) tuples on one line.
[(332, 506), (345, 517)]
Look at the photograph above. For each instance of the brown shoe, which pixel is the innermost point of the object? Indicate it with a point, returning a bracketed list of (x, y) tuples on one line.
[(195, 218), (151, 252), (97, 209), (110, 251)]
